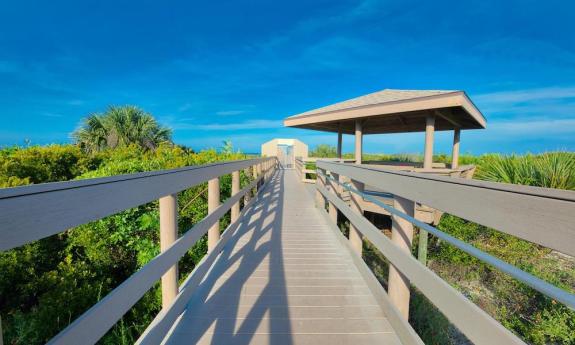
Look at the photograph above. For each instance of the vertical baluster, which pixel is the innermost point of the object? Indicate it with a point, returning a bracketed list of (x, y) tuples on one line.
[(401, 235), (334, 188), (247, 196), (235, 213), (355, 237), (255, 174), (319, 181), (168, 235), (213, 204)]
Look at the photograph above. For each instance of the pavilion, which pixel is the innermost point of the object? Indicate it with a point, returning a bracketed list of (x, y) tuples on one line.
[(396, 111)]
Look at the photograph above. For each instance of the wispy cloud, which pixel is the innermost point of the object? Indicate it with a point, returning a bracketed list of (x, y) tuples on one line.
[(541, 103), (246, 125), (528, 95), (185, 107), (230, 112)]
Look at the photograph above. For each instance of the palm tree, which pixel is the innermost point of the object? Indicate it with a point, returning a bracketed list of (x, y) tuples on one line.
[(118, 127)]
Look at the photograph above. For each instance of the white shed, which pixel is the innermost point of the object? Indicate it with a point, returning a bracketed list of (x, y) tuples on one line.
[(286, 150)]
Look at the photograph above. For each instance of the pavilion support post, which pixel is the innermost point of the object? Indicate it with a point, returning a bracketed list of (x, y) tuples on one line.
[(401, 235), (334, 187), (358, 141), (355, 237), (427, 165), (339, 141), (455, 152), (213, 204), (168, 235), (235, 212), (429, 134)]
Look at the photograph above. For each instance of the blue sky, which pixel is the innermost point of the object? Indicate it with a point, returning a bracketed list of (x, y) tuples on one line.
[(234, 70)]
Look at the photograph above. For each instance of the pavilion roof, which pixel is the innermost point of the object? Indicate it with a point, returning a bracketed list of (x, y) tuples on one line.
[(394, 111)]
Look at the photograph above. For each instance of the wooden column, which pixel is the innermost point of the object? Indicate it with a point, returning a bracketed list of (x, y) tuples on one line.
[(355, 237), (213, 203), (334, 188), (319, 181), (255, 174), (339, 141), (358, 141), (168, 235), (235, 213), (455, 152), (247, 196), (401, 235), (429, 133)]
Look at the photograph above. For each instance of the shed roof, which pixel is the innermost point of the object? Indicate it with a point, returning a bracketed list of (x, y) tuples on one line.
[(394, 111)]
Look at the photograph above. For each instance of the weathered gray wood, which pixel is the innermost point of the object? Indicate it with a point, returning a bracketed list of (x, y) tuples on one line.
[(159, 327), (95, 322), (267, 281), (168, 235), (540, 215), (33, 212), (475, 323), (403, 329), (213, 204)]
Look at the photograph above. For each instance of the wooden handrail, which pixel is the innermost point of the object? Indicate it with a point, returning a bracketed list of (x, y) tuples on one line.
[(56, 207), (44, 203), (477, 325), (521, 211)]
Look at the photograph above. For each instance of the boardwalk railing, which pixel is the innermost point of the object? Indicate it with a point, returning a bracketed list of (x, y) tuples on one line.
[(302, 167), (306, 166), (539, 215), (34, 212)]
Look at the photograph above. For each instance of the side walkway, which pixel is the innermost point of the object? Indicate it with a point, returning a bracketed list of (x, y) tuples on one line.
[(283, 278)]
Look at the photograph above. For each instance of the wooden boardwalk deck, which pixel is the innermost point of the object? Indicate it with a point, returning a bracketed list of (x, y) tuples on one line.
[(283, 278)]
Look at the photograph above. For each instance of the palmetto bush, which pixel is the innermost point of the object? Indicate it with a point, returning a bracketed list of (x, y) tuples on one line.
[(550, 170), (120, 127)]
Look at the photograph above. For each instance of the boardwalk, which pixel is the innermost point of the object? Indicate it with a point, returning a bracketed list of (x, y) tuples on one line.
[(282, 273), (284, 278)]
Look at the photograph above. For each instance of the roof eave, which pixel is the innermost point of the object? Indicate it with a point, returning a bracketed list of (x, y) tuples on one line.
[(452, 99)]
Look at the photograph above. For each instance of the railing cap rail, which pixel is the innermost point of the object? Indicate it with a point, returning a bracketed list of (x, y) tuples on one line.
[(559, 194)]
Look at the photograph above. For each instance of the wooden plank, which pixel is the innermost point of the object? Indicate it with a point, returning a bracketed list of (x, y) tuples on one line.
[(255, 288), (540, 215), (159, 327), (475, 323), (95, 322), (33, 212), (403, 329)]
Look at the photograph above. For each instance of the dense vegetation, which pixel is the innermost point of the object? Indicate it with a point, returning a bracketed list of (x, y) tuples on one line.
[(83, 264), (536, 318)]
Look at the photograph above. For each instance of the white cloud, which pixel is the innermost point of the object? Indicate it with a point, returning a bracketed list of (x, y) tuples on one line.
[(529, 95), (251, 124)]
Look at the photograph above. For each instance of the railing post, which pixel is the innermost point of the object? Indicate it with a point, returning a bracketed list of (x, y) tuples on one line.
[(247, 196), (260, 173), (255, 174), (355, 237), (334, 187), (213, 203), (401, 235), (168, 235), (1, 338), (319, 181), (235, 212)]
